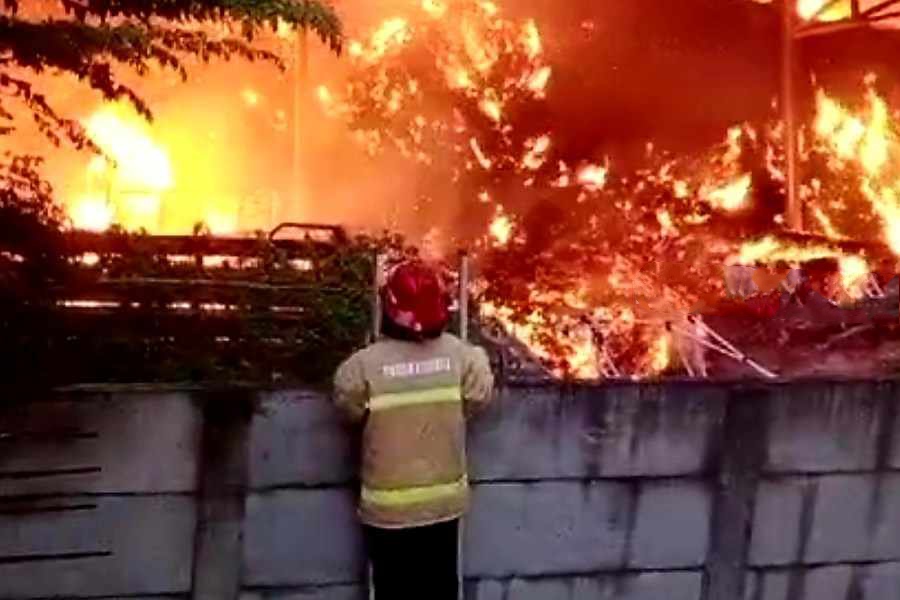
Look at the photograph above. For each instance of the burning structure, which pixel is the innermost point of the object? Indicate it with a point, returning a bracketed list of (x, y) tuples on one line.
[(594, 243)]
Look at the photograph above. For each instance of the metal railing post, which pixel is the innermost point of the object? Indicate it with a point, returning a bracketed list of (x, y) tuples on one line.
[(464, 295), (377, 280)]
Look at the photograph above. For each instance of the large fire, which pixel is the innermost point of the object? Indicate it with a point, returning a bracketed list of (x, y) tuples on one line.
[(593, 266), (127, 184), (636, 253), (132, 184)]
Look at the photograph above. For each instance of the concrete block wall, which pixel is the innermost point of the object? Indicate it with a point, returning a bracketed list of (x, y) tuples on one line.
[(97, 495), (827, 518), (693, 491)]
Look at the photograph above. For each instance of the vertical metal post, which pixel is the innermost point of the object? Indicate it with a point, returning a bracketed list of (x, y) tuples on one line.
[(464, 336), (464, 295), (794, 207), (377, 279), (301, 76)]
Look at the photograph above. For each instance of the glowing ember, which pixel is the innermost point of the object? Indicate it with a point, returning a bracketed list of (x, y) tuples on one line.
[(577, 355), (491, 107), (501, 228), (661, 354), (592, 177), (854, 272), (772, 250), (536, 155), (250, 97), (731, 197), (393, 33)]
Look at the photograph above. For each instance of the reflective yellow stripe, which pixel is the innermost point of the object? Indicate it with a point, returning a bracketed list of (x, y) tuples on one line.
[(427, 396), (413, 495)]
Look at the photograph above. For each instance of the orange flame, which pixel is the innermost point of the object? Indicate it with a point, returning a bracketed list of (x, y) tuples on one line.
[(501, 228), (133, 184)]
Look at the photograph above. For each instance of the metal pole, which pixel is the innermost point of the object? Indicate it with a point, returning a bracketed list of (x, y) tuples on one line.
[(464, 295), (377, 280), (794, 207), (464, 336), (301, 77)]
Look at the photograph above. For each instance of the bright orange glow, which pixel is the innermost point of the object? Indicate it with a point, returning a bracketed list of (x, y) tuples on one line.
[(731, 197), (823, 10), (125, 138), (91, 213), (250, 97), (126, 186), (592, 177), (501, 228), (492, 107), (538, 81), (772, 250), (661, 354), (854, 272), (865, 138), (133, 183), (435, 8), (531, 39), (580, 353), (536, 154), (393, 33)]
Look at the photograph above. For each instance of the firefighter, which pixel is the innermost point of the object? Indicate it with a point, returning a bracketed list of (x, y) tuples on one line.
[(412, 391)]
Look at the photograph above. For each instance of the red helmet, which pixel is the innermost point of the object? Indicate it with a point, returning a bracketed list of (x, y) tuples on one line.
[(415, 299)]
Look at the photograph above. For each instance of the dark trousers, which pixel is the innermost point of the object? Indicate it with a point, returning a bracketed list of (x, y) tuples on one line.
[(414, 563)]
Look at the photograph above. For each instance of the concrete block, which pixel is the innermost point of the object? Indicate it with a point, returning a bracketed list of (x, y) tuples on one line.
[(331, 592), (827, 583), (838, 531), (766, 585), (825, 426), (893, 454), (300, 439), (546, 528), (672, 525), (609, 431), (851, 517), (851, 522), (776, 521), (880, 582), (303, 537), (752, 582), (646, 586), (128, 546), (568, 589), (662, 586), (125, 443), (883, 518)]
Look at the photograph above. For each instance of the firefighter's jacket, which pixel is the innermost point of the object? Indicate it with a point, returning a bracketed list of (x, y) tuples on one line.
[(413, 399)]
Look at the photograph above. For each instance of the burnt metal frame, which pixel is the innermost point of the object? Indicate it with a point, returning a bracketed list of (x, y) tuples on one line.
[(859, 18)]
